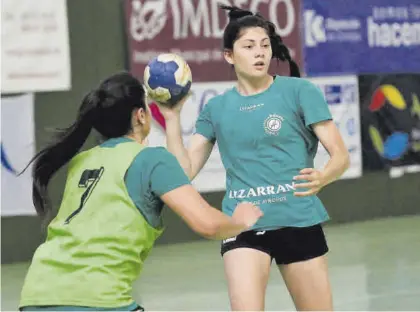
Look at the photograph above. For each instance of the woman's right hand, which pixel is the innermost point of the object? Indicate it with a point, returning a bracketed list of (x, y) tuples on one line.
[(246, 214), (174, 111)]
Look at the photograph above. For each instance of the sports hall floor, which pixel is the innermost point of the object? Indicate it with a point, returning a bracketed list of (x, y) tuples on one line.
[(374, 266)]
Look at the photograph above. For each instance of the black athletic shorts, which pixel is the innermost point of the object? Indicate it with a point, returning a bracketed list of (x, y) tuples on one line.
[(285, 245)]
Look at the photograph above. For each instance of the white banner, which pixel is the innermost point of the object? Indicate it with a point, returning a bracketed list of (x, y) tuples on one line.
[(212, 177), (342, 95), (35, 51), (17, 148)]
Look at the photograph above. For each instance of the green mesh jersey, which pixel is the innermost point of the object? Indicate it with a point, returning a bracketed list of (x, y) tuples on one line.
[(96, 245)]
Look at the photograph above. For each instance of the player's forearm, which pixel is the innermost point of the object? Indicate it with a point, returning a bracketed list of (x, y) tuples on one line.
[(336, 166), (229, 230), (225, 226), (175, 143)]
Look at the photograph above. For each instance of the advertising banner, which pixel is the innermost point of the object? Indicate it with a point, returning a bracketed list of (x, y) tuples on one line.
[(194, 30), (342, 96), (35, 52), (17, 148), (390, 115), (377, 36)]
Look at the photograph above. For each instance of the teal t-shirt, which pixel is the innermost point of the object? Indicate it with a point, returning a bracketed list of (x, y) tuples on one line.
[(153, 173), (264, 141)]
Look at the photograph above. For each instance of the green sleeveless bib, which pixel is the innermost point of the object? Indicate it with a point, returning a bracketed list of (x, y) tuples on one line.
[(97, 244)]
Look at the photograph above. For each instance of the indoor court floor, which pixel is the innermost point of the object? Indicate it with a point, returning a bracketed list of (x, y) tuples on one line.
[(374, 266)]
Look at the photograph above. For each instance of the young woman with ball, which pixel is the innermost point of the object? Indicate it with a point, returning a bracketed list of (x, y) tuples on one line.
[(268, 154), (110, 214)]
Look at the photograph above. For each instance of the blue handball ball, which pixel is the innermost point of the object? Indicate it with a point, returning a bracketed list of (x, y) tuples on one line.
[(167, 79)]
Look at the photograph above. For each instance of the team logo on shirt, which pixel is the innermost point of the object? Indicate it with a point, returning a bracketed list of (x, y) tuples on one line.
[(272, 124)]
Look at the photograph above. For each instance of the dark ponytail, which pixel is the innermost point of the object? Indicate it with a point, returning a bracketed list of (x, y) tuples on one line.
[(240, 19), (235, 13), (108, 109), (280, 51), (48, 161)]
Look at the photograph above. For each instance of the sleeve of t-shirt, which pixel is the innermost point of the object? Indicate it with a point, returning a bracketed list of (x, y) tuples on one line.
[(312, 103), (166, 174), (204, 124)]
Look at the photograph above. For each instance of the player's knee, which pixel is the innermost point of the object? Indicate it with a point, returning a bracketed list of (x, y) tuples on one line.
[(246, 302)]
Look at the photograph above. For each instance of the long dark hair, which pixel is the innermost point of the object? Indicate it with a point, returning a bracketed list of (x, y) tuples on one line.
[(240, 19), (108, 109)]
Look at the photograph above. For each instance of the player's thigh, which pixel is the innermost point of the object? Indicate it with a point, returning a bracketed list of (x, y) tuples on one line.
[(308, 284), (303, 264), (247, 271)]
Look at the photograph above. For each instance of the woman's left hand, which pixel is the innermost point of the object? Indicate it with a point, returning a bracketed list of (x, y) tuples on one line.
[(315, 181)]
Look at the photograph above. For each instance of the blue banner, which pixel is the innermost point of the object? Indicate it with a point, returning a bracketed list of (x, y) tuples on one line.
[(360, 36)]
